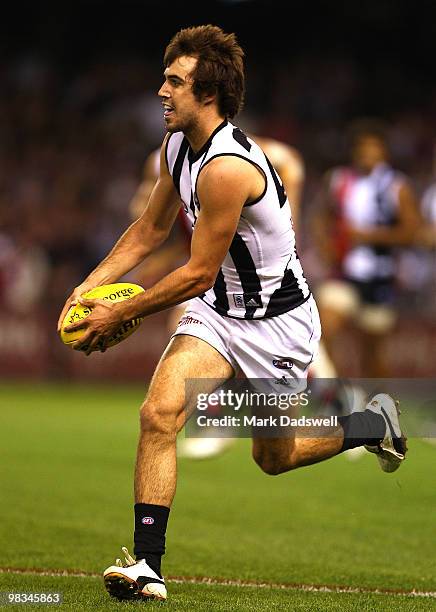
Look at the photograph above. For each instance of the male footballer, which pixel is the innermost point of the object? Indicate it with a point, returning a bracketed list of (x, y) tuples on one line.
[(250, 308)]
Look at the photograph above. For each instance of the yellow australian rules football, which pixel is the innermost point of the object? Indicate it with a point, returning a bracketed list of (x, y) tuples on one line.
[(116, 292)]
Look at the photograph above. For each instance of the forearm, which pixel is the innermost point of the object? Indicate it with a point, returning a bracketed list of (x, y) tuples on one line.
[(177, 287), (133, 247), (386, 236)]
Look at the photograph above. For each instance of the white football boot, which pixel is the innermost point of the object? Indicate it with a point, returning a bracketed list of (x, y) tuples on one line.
[(133, 580), (391, 450)]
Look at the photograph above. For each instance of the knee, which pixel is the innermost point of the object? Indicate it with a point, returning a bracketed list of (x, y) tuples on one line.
[(270, 463), (158, 418)]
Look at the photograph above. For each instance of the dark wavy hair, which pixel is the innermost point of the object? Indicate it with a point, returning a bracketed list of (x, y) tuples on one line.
[(220, 66)]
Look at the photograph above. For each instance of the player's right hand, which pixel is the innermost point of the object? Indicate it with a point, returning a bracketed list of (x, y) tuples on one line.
[(72, 300)]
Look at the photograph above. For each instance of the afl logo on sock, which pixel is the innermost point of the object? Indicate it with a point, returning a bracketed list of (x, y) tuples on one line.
[(147, 520)]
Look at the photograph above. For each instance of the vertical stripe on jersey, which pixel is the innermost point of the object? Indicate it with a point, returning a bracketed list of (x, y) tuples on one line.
[(290, 294), (246, 270), (178, 164), (241, 138), (281, 193), (192, 207), (221, 302)]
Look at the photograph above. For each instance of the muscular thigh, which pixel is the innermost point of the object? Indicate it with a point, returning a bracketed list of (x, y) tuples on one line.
[(188, 366)]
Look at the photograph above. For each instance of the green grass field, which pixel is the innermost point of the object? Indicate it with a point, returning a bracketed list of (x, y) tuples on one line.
[(67, 455)]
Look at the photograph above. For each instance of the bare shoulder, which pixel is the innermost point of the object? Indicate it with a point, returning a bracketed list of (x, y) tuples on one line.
[(228, 179), (228, 168)]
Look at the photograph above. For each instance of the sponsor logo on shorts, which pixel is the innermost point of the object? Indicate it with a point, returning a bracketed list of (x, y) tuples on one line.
[(283, 364), (147, 520), (187, 320)]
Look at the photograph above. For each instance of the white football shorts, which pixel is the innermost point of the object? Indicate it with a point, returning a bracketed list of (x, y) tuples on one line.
[(272, 348)]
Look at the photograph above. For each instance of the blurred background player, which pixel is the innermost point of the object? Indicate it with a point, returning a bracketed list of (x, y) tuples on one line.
[(428, 208), (289, 165), (367, 211)]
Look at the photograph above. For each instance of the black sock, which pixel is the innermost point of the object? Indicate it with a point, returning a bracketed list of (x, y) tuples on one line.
[(150, 527), (361, 428)]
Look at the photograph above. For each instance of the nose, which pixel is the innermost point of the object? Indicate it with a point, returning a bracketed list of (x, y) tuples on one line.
[(163, 92)]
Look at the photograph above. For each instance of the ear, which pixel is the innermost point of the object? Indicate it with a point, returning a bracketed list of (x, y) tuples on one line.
[(208, 98)]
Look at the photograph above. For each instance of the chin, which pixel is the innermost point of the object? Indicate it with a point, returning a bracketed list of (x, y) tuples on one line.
[(173, 128)]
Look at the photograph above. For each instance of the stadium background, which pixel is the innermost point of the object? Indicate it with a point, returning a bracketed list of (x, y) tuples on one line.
[(79, 115)]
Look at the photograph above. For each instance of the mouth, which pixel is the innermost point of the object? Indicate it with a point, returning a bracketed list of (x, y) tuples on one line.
[(168, 110)]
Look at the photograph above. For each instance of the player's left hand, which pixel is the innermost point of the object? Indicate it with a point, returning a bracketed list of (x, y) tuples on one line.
[(104, 321)]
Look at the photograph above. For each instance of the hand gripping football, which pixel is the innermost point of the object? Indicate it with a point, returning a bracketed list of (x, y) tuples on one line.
[(116, 292)]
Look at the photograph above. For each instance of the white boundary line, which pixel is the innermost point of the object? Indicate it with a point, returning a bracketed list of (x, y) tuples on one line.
[(312, 588)]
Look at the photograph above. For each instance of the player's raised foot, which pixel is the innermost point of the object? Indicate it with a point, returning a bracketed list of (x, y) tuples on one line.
[(391, 450), (133, 580)]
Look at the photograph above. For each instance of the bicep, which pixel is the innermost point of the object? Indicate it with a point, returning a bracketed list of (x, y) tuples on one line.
[(222, 193), (164, 202), (211, 239)]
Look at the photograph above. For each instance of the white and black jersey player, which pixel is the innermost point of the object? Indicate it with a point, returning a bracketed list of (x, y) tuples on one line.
[(289, 165), (259, 318), (261, 275)]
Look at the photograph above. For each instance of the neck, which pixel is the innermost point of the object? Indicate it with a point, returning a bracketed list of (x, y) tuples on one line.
[(199, 134), (370, 169)]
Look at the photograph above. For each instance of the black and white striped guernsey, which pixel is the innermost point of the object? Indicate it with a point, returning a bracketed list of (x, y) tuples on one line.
[(261, 275)]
